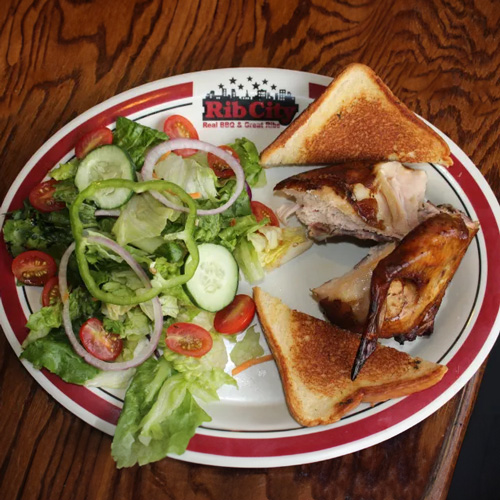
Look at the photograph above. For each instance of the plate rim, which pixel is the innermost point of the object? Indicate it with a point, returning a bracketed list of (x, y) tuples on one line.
[(262, 461)]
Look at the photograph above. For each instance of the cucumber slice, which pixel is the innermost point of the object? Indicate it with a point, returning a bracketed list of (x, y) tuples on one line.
[(215, 281), (106, 162)]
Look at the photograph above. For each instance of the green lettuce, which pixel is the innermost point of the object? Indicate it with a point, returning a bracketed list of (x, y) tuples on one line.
[(248, 261), (141, 223), (275, 245), (230, 235), (249, 159), (192, 174), (136, 139), (41, 322), (208, 228), (159, 415), (54, 352), (247, 348), (132, 323), (169, 306), (82, 305), (29, 229), (216, 358), (111, 379), (225, 228), (67, 192), (65, 170)]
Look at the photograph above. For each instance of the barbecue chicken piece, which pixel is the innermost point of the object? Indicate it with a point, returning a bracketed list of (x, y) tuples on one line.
[(345, 300), (408, 285), (379, 201)]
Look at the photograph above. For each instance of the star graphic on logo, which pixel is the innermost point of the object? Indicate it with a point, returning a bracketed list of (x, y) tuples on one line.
[(273, 87), (264, 82), (232, 80), (256, 86), (221, 86), (249, 78), (240, 86)]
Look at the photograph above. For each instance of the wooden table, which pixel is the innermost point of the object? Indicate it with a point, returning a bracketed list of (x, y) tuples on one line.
[(59, 58)]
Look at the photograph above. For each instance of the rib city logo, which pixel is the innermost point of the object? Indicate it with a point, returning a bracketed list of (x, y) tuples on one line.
[(252, 100)]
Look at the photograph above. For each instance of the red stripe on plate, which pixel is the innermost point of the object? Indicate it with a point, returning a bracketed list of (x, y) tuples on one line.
[(67, 143), (315, 90), (86, 399)]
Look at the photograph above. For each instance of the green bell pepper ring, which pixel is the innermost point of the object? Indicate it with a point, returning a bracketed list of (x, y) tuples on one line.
[(137, 187)]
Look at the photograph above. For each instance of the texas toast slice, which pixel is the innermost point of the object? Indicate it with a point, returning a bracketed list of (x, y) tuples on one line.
[(315, 358), (356, 118)]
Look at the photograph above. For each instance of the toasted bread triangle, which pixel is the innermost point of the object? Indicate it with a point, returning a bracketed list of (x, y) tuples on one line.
[(314, 359), (356, 118)]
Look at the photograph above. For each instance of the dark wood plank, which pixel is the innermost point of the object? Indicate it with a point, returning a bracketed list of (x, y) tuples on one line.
[(58, 58)]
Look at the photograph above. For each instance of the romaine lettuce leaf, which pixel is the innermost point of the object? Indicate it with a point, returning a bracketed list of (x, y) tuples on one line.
[(192, 174), (169, 306), (240, 226), (65, 170), (248, 261), (240, 207), (159, 416), (143, 218), (82, 305), (41, 322), (247, 348), (136, 139), (111, 379), (208, 228), (55, 353), (249, 159), (29, 229), (132, 323)]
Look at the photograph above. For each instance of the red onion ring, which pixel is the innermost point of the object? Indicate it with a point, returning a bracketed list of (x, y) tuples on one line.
[(157, 152), (68, 327), (249, 190)]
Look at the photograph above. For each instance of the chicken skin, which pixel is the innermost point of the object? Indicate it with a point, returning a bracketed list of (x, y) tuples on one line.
[(408, 285)]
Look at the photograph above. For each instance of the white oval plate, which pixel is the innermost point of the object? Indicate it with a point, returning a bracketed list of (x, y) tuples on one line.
[(251, 426)]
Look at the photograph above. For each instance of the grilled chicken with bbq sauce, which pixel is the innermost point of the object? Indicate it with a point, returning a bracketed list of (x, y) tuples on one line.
[(378, 201), (421, 266)]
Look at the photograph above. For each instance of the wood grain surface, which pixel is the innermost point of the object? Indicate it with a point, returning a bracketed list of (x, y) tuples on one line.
[(59, 58)]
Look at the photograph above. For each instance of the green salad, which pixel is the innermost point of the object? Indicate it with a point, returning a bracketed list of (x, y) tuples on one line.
[(140, 257)]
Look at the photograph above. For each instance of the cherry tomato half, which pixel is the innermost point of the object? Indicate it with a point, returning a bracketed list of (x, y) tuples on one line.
[(178, 127), (236, 316), (42, 197), (103, 345), (220, 167), (34, 267), (50, 293), (92, 140), (188, 339), (260, 211)]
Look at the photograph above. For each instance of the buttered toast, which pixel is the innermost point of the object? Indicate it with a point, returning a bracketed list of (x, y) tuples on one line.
[(356, 118), (315, 358)]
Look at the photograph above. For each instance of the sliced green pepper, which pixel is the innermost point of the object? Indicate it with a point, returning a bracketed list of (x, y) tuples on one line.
[(137, 187)]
